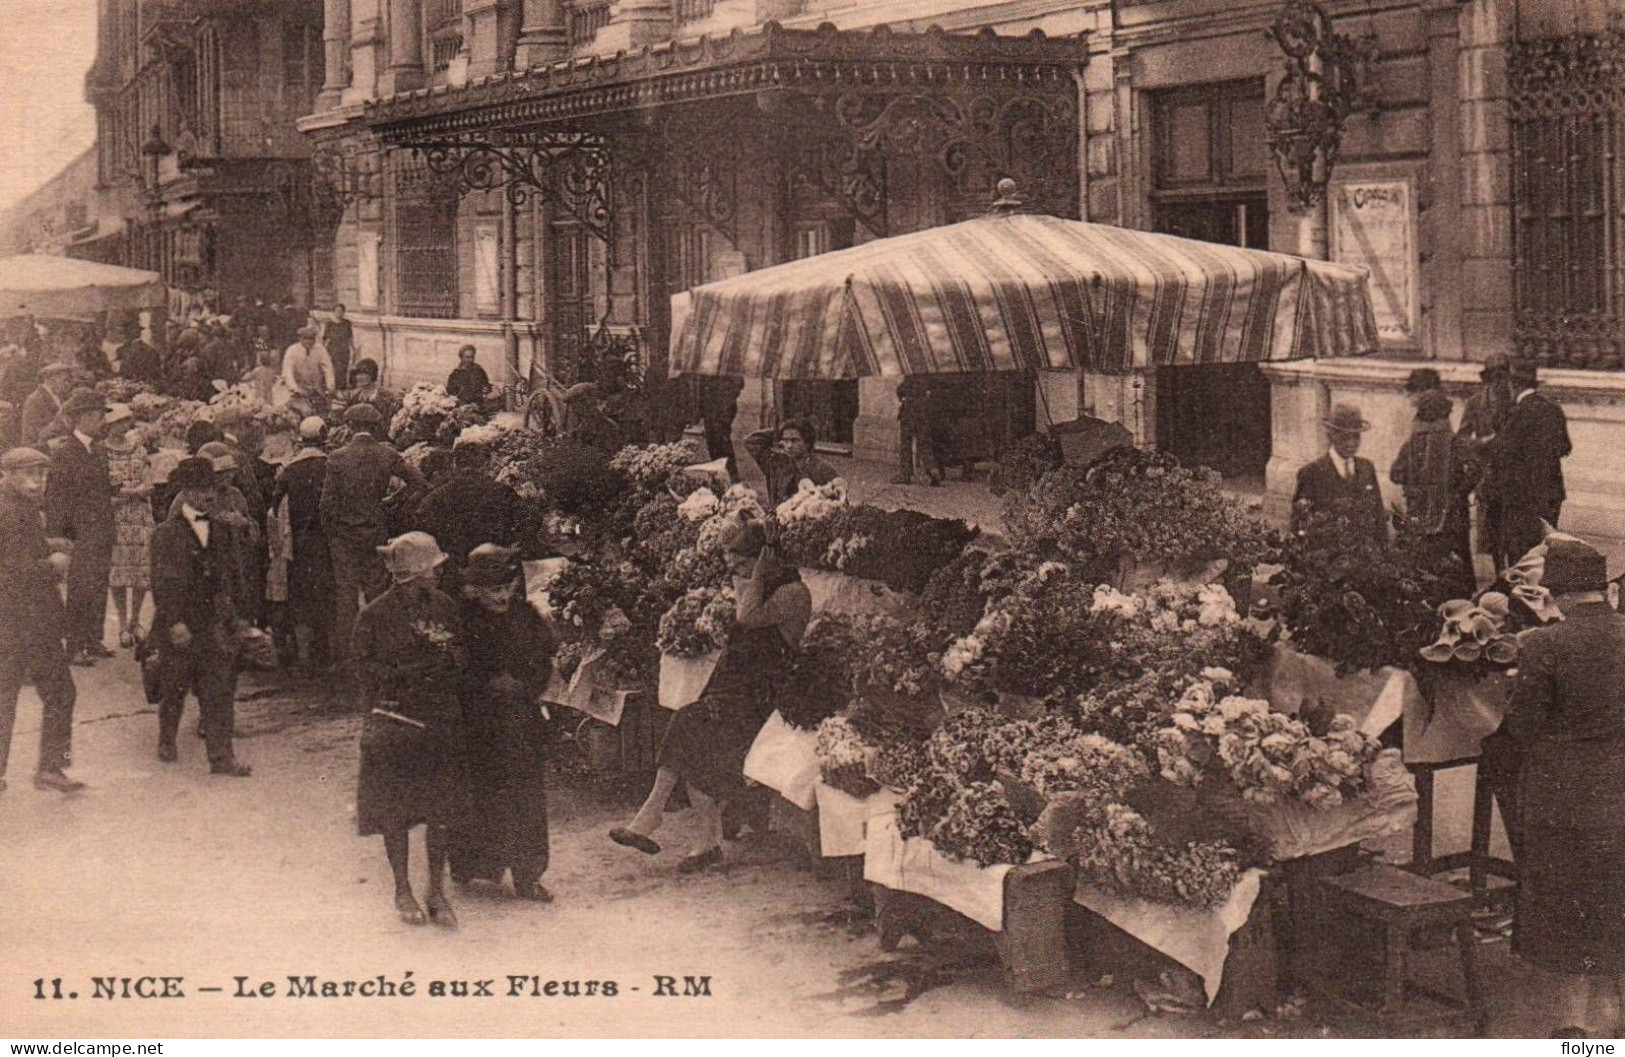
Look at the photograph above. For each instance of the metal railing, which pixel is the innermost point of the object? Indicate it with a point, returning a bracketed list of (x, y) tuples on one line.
[(444, 49)]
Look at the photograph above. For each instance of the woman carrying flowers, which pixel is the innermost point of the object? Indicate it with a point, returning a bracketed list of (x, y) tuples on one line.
[(707, 742), (409, 656)]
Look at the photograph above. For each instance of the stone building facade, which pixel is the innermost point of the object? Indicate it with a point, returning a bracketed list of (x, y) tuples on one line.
[(1482, 236), (201, 174)]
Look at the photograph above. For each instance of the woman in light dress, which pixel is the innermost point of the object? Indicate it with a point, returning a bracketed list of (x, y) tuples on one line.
[(130, 470)]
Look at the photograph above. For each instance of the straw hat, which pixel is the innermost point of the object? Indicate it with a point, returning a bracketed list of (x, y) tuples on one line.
[(412, 553)]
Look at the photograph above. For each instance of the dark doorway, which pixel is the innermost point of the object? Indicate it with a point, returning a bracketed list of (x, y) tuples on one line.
[(1209, 173)]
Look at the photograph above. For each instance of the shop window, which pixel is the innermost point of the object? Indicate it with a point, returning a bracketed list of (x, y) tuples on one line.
[(1209, 136)]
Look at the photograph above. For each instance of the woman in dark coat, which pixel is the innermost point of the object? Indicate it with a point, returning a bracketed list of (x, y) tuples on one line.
[(510, 660), (1438, 470), (1568, 719), (408, 655), (707, 742)]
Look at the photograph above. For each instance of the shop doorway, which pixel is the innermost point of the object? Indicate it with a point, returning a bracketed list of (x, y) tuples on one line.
[(1209, 172)]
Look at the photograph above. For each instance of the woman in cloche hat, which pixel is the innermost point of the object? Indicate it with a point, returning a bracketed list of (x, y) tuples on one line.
[(1567, 717), (409, 655), (510, 662)]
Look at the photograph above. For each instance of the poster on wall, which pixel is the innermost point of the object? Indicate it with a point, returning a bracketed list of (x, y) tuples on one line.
[(486, 256), (1373, 224)]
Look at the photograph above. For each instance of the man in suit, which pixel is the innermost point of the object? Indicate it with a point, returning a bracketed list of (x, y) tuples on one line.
[(193, 573), (719, 406), (43, 405), (31, 618), (1526, 461), (1340, 482), (354, 518), (140, 362), (79, 507), (310, 574)]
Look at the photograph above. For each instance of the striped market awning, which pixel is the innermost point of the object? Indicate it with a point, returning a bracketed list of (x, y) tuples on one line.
[(1021, 292)]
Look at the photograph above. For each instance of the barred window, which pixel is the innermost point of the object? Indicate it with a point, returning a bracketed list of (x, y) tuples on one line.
[(426, 250)]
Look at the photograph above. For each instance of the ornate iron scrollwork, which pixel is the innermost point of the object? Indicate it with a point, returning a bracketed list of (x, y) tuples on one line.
[(343, 175), (569, 168), (976, 139), (701, 172), (1568, 180), (1326, 79)]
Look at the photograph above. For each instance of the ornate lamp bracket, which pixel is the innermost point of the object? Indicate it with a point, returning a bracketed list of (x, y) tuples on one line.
[(1327, 78), (570, 168)]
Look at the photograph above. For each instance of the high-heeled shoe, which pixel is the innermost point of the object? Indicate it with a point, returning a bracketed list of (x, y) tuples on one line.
[(695, 861), (407, 907), (440, 911)]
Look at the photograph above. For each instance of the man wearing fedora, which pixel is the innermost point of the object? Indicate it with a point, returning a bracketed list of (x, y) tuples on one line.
[(139, 361), (1526, 460), (32, 621), (1567, 718), (43, 405), (194, 585), (1340, 482), (79, 507)]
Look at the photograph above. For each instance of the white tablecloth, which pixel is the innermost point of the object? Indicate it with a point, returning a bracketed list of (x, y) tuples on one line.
[(1198, 939), (843, 819), (914, 865), (785, 760)]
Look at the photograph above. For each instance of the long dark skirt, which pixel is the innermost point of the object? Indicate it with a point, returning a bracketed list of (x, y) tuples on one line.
[(1571, 900), (707, 742), (506, 825), (408, 777)]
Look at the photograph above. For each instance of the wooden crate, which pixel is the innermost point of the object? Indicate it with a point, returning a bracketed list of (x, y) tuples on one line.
[(633, 746)]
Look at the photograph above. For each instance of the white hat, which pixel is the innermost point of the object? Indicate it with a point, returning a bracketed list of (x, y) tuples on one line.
[(312, 427)]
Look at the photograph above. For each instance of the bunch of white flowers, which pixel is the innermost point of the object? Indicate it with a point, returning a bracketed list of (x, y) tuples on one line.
[(813, 502), (425, 399), (652, 464), (484, 435), (701, 504)]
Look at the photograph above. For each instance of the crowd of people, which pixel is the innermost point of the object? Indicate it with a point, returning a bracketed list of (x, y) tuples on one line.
[(1506, 456)]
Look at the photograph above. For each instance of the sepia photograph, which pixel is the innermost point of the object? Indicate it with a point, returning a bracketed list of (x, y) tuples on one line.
[(803, 519)]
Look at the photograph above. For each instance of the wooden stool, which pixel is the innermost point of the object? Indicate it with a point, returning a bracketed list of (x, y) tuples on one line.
[(1402, 903)]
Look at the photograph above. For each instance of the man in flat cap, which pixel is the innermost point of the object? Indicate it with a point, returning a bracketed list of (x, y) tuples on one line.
[(307, 370), (1527, 461), (354, 518), (43, 405), (32, 621), (139, 361), (1340, 482), (194, 575), (79, 507)]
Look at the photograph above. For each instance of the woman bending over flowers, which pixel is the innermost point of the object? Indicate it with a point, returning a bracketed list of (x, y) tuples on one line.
[(706, 744)]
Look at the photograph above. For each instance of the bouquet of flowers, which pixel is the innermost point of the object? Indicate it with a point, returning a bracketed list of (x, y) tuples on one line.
[(900, 548), (818, 683), (1134, 506), (1475, 635), (698, 623), (1041, 641), (567, 476), (245, 402), (1268, 756), (123, 391), (1358, 600), (652, 464), (1117, 848), (422, 411), (482, 435), (958, 594), (967, 820), (698, 506), (843, 757), (171, 419), (1023, 464)]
